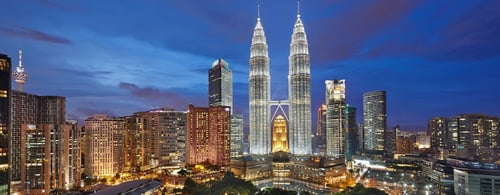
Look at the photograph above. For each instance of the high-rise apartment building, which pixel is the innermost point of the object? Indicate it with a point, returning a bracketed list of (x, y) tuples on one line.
[(219, 124), (104, 155), (236, 136), (5, 122), (335, 118), (259, 93), (158, 140), (197, 145), (299, 91), (208, 135), (437, 128), (220, 84), (374, 120)]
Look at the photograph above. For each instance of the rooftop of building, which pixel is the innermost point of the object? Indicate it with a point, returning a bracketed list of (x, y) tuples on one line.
[(131, 187)]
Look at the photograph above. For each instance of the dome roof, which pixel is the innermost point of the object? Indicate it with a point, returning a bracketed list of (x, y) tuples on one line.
[(221, 62)]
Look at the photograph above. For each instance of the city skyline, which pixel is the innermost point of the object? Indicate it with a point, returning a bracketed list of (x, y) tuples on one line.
[(433, 59)]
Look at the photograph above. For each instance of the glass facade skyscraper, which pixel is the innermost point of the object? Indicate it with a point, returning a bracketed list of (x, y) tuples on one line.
[(375, 120), (5, 121), (335, 118), (220, 84)]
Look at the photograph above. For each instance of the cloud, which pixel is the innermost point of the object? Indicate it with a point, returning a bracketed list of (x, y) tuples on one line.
[(71, 7), (167, 98), (472, 35), (34, 34)]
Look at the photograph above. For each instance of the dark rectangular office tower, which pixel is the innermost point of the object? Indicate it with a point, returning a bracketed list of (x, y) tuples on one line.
[(220, 84), (5, 124)]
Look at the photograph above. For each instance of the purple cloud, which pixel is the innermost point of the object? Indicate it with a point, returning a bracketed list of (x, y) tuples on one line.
[(168, 98), (34, 34)]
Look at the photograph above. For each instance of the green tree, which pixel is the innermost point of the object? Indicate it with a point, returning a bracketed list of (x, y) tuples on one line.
[(193, 188), (232, 185)]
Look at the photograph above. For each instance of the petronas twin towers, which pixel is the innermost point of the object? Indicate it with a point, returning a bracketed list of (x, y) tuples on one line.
[(299, 93)]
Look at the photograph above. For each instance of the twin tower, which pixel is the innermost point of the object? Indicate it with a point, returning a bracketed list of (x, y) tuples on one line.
[(299, 93)]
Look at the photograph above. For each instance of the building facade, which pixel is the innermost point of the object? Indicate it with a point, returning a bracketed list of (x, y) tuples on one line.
[(374, 120), (45, 160), (74, 154), (470, 181), (236, 136), (437, 128), (352, 140), (5, 122), (104, 155)]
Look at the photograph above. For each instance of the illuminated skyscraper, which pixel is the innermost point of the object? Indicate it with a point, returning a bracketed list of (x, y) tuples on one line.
[(105, 145), (299, 92), (259, 92), (20, 76), (220, 84), (5, 121), (335, 118), (208, 135), (375, 120)]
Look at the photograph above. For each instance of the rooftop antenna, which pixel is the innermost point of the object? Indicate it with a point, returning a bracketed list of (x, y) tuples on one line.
[(258, 9), (20, 57)]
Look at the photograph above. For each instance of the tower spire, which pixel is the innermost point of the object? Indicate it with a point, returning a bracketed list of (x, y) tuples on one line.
[(19, 75), (298, 8)]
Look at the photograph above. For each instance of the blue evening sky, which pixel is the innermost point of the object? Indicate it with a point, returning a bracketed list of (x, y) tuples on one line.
[(434, 58)]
